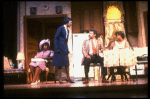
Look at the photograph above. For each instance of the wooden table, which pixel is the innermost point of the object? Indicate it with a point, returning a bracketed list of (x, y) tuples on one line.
[(15, 76)]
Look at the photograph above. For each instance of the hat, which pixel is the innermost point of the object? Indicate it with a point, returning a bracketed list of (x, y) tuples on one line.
[(43, 42)]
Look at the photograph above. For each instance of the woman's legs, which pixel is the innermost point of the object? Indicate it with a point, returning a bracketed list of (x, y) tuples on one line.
[(32, 72), (67, 75), (67, 72), (60, 72), (37, 73)]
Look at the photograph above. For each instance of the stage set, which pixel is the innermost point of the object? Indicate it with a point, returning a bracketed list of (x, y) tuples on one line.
[(16, 85), (39, 20), (95, 89)]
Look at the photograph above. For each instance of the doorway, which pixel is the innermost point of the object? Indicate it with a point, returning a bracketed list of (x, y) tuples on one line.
[(37, 28)]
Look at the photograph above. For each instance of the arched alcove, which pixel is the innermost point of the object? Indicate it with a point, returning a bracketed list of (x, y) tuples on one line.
[(113, 19), (113, 14)]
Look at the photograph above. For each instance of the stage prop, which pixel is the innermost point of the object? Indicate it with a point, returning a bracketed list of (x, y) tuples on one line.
[(142, 59), (119, 57), (113, 19), (20, 58), (15, 76), (94, 70), (132, 59), (78, 40), (49, 68)]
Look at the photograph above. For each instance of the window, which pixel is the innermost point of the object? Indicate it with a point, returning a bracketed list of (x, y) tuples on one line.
[(113, 14)]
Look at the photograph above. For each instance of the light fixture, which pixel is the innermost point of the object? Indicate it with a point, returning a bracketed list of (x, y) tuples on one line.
[(20, 57)]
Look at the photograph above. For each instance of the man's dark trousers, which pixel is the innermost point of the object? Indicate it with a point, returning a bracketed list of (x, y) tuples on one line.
[(94, 59)]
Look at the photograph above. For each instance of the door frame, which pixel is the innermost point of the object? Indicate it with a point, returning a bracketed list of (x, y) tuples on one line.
[(25, 31)]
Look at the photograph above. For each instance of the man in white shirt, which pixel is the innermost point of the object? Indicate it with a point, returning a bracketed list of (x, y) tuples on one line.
[(90, 50)]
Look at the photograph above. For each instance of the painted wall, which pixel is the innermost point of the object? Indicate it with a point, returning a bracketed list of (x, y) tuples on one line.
[(141, 7), (24, 10)]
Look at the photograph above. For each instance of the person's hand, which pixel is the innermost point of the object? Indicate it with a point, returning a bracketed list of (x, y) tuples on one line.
[(68, 51), (88, 56), (58, 51), (102, 50), (49, 58)]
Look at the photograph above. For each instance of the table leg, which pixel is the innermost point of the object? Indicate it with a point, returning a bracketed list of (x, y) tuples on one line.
[(136, 73), (94, 72)]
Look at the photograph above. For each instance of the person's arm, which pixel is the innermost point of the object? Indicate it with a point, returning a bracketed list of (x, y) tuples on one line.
[(84, 52), (127, 44), (50, 56), (111, 45), (56, 37)]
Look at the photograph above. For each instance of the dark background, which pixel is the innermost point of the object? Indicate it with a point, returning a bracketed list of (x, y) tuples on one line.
[(9, 30)]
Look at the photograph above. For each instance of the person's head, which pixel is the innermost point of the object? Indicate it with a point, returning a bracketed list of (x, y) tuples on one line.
[(120, 35), (44, 45), (93, 34), (67, 21)]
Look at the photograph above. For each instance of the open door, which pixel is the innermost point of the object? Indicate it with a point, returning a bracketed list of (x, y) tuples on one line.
[(36, 29), (34, 33)]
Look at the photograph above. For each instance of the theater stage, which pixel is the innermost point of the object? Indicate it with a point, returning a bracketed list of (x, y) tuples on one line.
[(95, 89)]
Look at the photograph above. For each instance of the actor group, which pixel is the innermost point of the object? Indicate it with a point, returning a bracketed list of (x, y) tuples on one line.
[(90, 49)]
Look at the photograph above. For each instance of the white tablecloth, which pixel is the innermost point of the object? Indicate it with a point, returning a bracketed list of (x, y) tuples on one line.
[(119, 57), (37, 59)]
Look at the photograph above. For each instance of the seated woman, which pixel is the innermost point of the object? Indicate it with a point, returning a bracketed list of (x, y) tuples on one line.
[(120, 43), (41, 65)]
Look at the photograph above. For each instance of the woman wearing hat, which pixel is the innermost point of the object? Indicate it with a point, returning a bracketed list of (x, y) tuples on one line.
[(61, 52), (40, 65)]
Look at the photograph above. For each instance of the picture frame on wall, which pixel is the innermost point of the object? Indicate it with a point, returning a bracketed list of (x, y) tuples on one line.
[(58, 9), (32, 10)]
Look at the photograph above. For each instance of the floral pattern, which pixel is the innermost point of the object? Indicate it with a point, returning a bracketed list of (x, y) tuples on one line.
[(119, 57)]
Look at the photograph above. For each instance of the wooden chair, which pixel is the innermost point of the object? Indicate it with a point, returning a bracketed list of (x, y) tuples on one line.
[(44, 73), (51, 71), (119, 72), (99, 74)]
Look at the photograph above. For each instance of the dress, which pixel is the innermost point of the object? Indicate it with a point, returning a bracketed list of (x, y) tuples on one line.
[(42, 54), (60, 43)]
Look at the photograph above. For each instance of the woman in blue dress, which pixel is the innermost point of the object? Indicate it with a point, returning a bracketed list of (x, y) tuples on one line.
[(61, 52)]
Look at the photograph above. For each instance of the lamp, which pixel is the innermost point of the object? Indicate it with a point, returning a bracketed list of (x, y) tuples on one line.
[(20, 57)]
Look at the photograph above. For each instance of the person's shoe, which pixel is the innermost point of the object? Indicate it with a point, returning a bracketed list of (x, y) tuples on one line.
[(86, 81), (38, 81), (105, 81), (34, 83), (61, 82), (69, 80), (123, 80)]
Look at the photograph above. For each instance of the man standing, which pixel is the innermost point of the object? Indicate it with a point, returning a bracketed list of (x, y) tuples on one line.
[(90, 50), (61, 52)]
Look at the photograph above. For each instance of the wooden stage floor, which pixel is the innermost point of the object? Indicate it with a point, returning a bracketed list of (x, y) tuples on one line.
[(95, 89)]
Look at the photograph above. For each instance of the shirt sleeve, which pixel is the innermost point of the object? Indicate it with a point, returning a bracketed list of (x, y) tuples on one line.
[(56, 37), (52, 54), (84, 49)]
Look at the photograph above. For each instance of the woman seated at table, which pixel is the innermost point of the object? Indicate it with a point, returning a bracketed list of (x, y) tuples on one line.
[(120, 43), (41, 65)]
